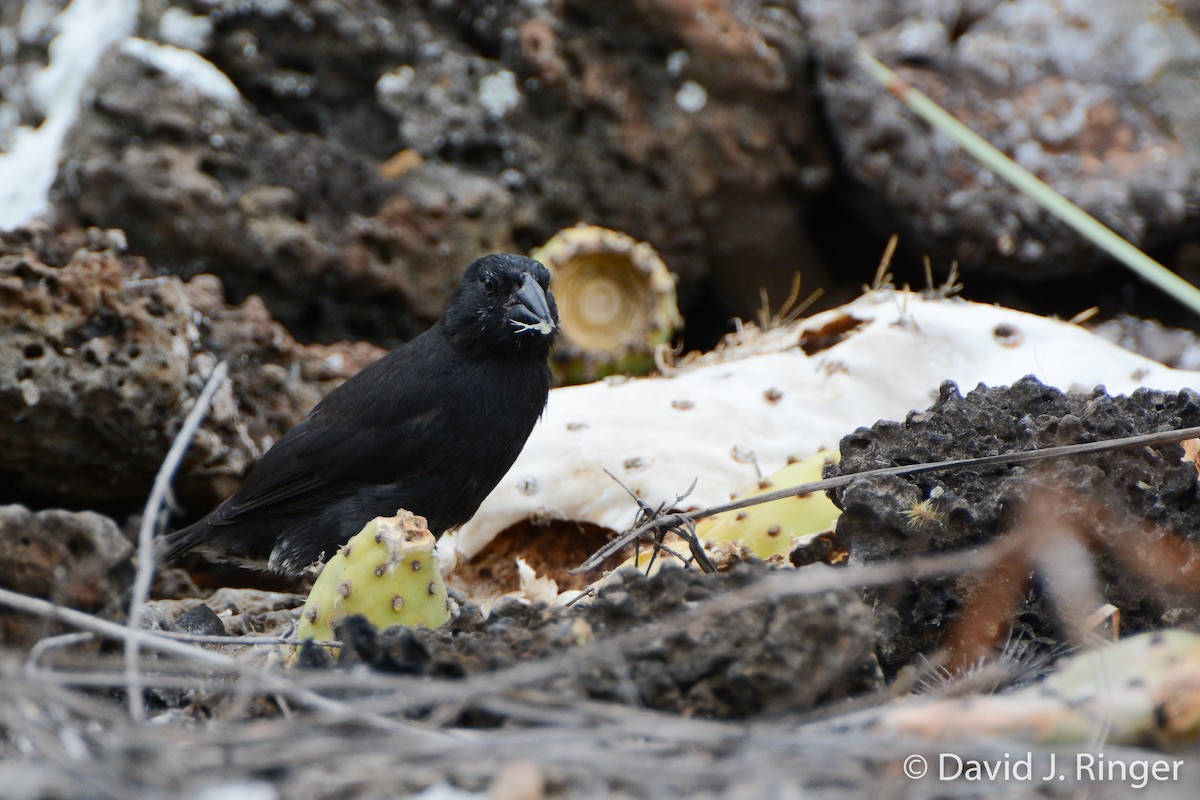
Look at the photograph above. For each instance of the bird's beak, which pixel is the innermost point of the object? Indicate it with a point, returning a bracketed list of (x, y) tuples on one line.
[(531, 311)]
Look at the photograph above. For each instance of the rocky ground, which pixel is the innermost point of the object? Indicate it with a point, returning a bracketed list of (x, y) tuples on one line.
[(292, 186), (1126, 508)]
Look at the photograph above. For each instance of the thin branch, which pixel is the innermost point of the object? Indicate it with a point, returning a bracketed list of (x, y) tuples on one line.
[(269, 681), (146, 560), (666, 521), (645, 512), (687, 532), (50, 643), (245, 641)]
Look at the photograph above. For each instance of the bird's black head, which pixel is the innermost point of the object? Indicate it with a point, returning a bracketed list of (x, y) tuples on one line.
[(503, 305)]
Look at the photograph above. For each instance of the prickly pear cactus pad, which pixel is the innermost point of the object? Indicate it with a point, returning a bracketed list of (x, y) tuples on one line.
[(1146, 689), (387, 572), (771, 528), (769, 531)]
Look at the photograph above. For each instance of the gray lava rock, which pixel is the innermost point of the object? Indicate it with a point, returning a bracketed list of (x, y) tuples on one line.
[(78, 560), (1126, 505), (1095, 98), (1178, 348)]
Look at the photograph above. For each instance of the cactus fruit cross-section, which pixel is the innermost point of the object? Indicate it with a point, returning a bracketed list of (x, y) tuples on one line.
[(616, 300), (388, 572)]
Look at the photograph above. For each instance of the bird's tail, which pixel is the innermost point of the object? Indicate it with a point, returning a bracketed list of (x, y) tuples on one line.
[(178, 542)]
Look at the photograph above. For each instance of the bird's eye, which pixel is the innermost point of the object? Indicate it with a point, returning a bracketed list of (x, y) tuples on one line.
[(489, 284)]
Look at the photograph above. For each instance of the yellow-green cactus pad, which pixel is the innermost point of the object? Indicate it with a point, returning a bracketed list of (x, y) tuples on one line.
[(1143, 689), (771, 528), (388, 572), (1146, 687), (616, 301)]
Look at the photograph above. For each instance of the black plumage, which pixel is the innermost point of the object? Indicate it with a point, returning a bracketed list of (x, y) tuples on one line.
[(431, 427)]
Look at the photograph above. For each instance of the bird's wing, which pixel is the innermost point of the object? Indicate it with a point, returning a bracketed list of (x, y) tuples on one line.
[(318, 462)]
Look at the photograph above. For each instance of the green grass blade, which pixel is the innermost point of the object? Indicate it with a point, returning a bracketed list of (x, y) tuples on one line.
[(1038, 190)]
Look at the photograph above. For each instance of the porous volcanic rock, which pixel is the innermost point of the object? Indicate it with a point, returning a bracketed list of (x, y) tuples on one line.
[(1137, 511), (78, 560), (1093, 97), (100, 361), (372, 149)]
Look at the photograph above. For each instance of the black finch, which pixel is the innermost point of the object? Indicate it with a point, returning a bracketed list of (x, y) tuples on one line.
[(431, 427)]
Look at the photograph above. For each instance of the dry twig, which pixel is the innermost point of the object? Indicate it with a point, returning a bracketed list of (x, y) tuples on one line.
[(146, 561), (265, 679)]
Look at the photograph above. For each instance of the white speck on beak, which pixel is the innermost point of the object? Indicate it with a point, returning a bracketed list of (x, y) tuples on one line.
[(544, 327)]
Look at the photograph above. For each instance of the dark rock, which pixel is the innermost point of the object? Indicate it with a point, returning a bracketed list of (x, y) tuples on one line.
[(241, 612), (1066, 95), (777, 655), (400, 651), (202, 184), (202, 621), (1123, 502), (377, 147)]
